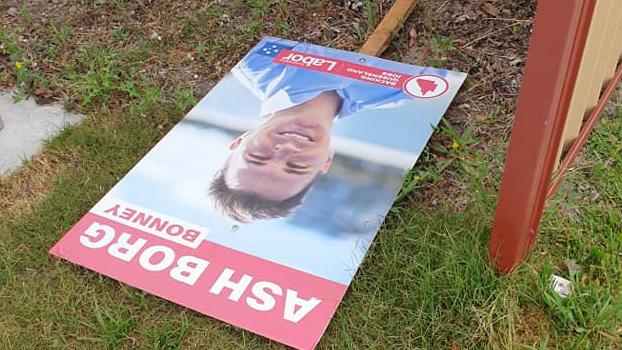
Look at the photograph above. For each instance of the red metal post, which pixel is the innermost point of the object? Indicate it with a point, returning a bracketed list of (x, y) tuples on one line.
[(559, 35)]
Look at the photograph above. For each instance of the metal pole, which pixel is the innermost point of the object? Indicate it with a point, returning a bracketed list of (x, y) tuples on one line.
[(559, 36)]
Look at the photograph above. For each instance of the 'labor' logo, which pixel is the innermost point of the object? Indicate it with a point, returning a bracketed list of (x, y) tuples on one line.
[(426, 86)]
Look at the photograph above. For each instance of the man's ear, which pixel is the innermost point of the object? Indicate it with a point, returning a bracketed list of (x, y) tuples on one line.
[(327, 162), (235, 143)]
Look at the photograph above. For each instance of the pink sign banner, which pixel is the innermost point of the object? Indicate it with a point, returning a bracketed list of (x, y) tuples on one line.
[(168, 258), (259, 206)]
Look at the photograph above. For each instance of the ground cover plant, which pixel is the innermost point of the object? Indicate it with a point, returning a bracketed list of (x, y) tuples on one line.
[(136, 67)]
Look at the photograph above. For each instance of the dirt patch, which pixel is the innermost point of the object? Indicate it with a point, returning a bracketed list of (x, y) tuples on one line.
[(489, 41), (187, 43), (491, 48), (531, 323)]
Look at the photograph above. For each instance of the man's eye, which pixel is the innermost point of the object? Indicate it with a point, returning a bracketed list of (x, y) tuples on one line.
[(256, 156), (256, 162)]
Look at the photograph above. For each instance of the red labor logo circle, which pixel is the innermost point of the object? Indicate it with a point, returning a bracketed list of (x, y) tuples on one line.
[(426, 86)]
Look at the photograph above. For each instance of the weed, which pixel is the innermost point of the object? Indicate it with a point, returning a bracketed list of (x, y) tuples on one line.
[(518, 29), (183, 100), (259, 8), (285, 27), (119, 33), (441, 47), (60, 34), (188, 29), (215, 48), (458, 143), (10, 47), (26, 80), (493, 116), (213, 10), (360, 33), (253, 28), (26, 16), (371, 16), (98, 75), (18, 95), (586, 310)]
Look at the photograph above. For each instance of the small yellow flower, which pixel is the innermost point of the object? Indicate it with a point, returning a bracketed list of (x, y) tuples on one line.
[(19, 64), (455, 145), (417, 178)]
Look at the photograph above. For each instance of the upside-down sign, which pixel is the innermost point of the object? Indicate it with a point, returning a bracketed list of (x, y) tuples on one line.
[(259, 206)]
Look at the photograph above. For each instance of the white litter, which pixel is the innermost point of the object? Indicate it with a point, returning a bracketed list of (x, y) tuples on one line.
[(561, 286)]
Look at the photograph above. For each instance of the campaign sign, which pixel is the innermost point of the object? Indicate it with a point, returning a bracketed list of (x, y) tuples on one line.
[(259, 206)]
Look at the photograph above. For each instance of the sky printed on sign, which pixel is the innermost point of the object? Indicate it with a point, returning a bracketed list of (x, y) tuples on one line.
[(173, 178)]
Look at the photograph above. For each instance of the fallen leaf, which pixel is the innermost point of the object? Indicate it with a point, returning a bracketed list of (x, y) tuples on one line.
[(490, 9), (41, 92), (44, 96)]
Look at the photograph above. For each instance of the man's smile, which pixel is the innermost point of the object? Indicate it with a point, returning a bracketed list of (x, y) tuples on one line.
[(296, 135), (300, 131)]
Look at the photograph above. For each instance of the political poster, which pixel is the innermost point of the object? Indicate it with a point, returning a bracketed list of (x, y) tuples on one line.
[(258, 207)]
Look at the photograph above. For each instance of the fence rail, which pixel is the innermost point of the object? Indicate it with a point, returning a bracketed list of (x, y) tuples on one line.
[(598, 63)]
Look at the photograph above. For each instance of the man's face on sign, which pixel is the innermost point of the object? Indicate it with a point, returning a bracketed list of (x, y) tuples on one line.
[(281, 157)]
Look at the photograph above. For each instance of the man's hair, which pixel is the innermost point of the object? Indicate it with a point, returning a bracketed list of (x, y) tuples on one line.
[(245, 206)]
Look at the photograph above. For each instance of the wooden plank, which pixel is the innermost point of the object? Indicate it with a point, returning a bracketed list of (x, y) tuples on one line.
[(388, 27), (619, 40), (588, 70), (614, 44), (587, 128), (604, 55)]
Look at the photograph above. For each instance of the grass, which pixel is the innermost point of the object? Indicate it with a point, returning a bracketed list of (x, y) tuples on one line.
[(425, 283)]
